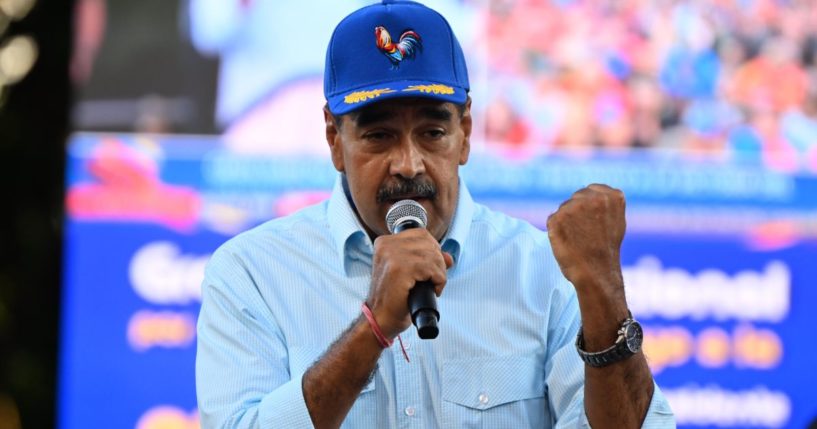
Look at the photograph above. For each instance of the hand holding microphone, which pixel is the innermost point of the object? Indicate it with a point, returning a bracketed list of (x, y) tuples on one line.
[(408, 273), (402, 216)]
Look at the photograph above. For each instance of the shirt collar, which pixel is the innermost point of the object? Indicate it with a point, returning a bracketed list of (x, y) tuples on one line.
[(351, 241), (454, 240), (347, 231)]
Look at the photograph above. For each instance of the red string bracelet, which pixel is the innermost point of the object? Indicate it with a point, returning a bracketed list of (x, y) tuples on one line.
[(384, 342)]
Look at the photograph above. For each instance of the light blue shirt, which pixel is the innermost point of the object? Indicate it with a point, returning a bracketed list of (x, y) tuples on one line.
[(276, 297)]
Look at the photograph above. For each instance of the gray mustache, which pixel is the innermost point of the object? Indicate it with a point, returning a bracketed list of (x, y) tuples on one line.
[(406, 188)]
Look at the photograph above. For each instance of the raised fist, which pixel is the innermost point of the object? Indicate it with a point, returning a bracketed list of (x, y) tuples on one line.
[(586, 233)]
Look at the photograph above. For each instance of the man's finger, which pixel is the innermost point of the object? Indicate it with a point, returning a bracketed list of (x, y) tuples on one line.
[(449, 260), (601, 187), (438, 278), (438, 289)]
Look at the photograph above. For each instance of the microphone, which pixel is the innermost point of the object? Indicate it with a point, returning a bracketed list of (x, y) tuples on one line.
[(409, 214)]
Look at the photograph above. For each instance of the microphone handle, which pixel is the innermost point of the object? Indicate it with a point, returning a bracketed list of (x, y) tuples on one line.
[(423, 307), (421, 300)]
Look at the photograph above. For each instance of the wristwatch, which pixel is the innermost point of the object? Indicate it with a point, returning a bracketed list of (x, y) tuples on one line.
[(628, 343)]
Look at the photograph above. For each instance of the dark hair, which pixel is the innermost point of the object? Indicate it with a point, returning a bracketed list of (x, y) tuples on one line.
[(337, 119)]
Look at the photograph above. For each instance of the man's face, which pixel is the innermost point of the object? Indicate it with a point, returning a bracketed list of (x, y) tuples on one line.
[(402, 149)]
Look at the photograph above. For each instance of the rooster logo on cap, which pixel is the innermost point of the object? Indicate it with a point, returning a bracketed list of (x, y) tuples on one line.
[(408, 45)]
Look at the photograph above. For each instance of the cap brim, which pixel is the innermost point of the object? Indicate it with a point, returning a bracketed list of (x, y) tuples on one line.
[(343, 103)]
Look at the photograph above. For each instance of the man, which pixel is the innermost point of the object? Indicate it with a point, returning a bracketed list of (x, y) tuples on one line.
[(298, 315)]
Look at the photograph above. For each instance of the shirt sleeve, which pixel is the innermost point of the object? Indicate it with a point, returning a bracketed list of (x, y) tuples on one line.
[(242, 371), (565, 370)]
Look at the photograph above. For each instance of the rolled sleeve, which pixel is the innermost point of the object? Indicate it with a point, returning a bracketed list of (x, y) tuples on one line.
[(659, 415), (285, 407), (242, 360), (565, 379)]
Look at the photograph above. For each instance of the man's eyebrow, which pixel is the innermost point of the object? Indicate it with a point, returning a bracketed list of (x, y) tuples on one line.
[(437, 113), (367, 117), (370, 116)]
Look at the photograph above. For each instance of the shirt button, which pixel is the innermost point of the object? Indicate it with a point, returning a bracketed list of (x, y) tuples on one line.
[(409, 411), (483, 398), (407, 345)]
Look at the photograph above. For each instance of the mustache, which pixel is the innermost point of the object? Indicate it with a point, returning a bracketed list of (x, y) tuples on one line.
[(406, 188)]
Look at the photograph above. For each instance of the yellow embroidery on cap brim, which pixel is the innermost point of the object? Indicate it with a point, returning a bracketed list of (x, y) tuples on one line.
[(431, 89), (358, 96)]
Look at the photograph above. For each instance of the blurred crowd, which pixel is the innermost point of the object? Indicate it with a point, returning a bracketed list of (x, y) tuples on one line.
[(723, 79), (718, 78)]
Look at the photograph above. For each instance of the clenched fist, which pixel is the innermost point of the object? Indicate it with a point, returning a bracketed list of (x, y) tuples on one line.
[(585, 234)]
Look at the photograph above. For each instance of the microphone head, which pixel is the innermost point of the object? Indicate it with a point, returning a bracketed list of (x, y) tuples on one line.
[(406, 211)]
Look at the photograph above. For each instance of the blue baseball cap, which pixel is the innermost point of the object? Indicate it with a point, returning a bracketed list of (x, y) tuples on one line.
[(393, 49)]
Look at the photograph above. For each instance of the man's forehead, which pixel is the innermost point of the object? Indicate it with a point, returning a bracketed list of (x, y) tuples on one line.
[(387, 109)]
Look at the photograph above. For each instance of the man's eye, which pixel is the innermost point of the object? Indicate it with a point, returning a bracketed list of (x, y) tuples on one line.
[(435, 134), (376, 135)]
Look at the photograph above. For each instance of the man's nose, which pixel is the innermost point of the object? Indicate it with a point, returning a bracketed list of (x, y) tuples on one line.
[(407, 160)]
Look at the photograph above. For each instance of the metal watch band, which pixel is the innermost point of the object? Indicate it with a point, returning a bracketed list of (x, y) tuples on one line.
[(617, 352)]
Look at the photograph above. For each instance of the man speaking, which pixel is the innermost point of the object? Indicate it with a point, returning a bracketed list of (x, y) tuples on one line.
[(306, 320)]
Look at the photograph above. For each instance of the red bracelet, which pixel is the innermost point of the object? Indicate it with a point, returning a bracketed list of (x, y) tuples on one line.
[(384, 342)]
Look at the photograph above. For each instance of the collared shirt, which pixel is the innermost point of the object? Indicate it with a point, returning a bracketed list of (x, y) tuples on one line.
[(276, 297)]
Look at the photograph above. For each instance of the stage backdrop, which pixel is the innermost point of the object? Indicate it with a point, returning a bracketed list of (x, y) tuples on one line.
[(198, 119), (720, 261)]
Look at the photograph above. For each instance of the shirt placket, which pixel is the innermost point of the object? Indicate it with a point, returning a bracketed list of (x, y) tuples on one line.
[(408, 377)]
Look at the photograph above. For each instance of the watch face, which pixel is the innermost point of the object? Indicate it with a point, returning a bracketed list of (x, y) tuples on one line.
[(633, 335)]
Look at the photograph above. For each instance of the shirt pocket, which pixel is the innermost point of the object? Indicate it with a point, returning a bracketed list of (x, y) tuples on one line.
[(507, 392)]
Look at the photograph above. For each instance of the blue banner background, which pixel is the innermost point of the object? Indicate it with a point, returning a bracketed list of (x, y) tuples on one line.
[(100, 366)]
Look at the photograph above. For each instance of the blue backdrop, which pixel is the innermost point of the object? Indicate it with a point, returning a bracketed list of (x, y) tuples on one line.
[(720, 261)]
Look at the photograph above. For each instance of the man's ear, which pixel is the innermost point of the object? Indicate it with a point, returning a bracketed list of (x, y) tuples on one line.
[(333, 139), (466, 125)]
